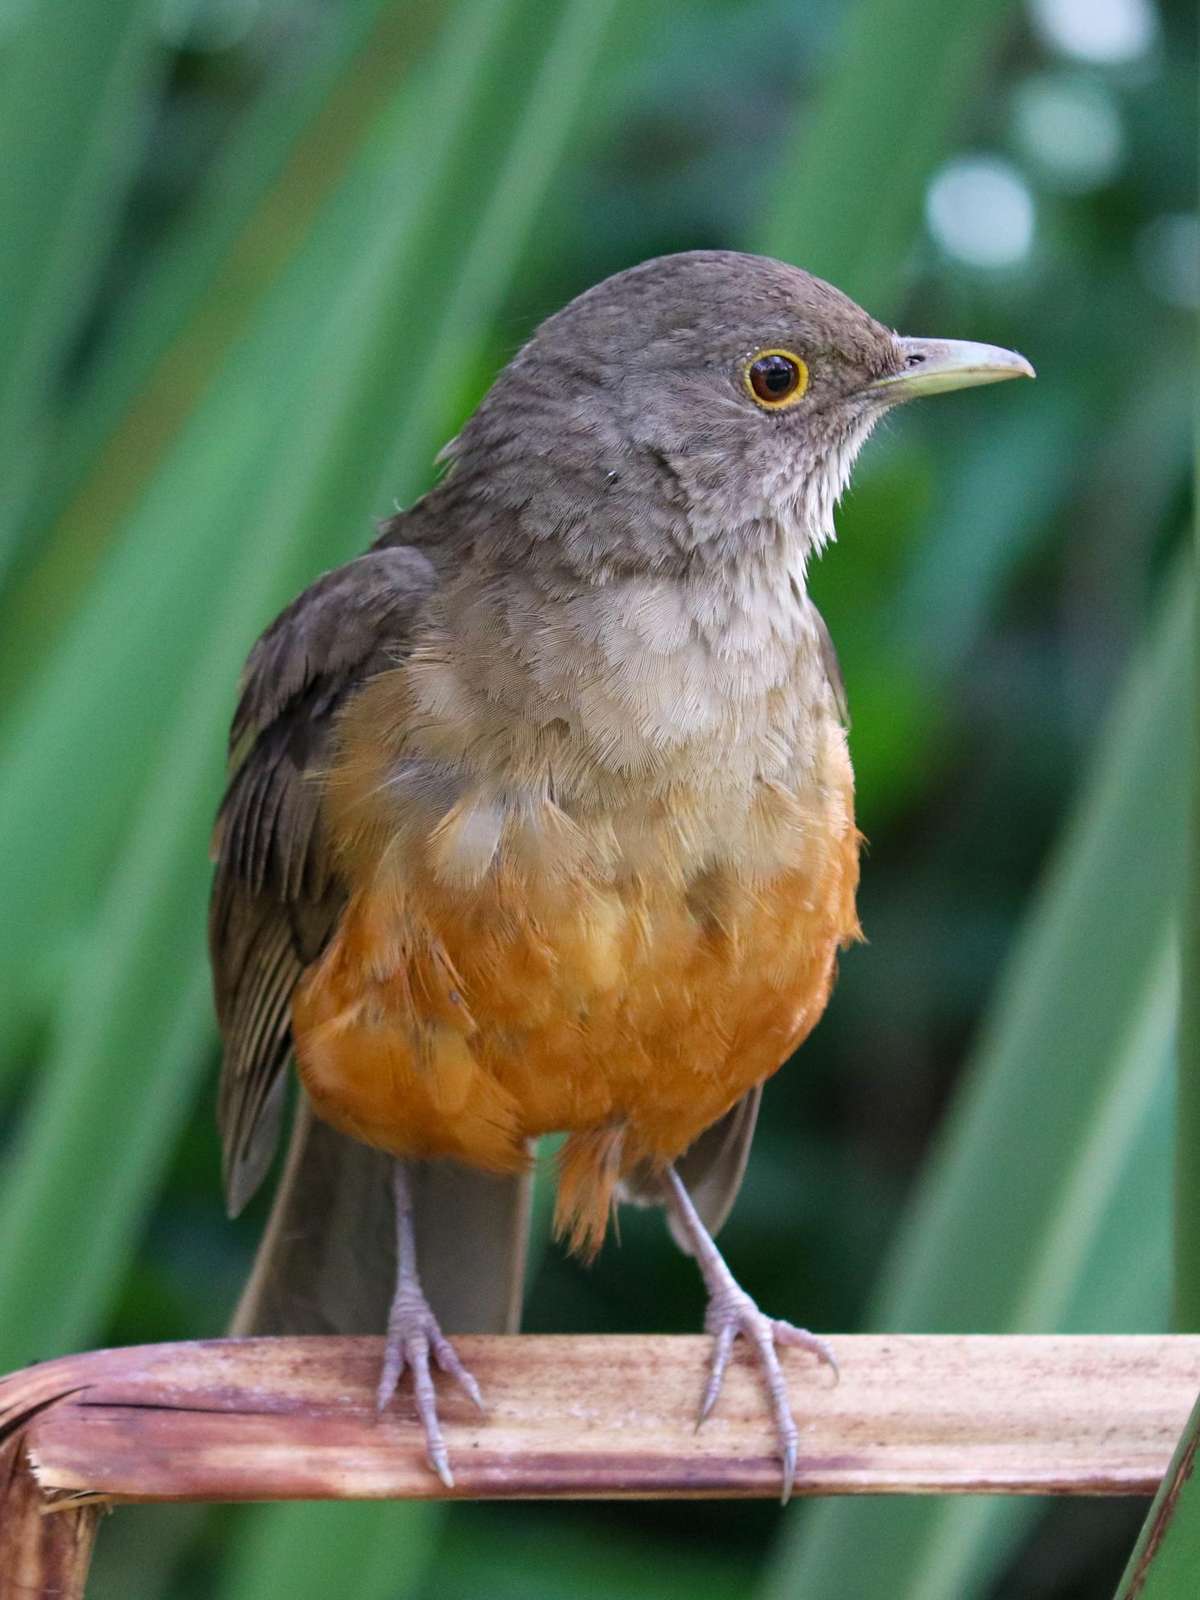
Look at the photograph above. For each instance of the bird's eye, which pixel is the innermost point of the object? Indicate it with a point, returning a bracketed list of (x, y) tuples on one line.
[(776, 378)]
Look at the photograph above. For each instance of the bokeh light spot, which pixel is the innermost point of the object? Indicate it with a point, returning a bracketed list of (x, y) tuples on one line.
[(1069, 128), (979, 208), (1106, 31)]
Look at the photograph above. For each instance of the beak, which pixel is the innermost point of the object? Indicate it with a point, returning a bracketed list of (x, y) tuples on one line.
[(935, 365)]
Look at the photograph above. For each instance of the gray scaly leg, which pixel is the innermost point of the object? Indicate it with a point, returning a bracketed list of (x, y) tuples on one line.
[(413, 1334)]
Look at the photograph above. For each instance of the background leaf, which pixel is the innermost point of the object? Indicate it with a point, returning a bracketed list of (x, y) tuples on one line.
[(847, 195), (74, 90)]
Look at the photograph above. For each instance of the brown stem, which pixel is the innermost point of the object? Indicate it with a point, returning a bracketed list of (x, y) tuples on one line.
[(45, 1553)]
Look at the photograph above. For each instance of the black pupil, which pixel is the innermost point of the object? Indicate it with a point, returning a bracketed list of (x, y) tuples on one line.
[(775, 374)]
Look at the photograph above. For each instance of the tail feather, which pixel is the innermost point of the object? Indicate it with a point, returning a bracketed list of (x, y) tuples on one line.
[(327, 1261), (712, 1170)]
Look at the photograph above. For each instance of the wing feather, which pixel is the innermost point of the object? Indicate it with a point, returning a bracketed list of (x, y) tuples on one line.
[(276, 898)]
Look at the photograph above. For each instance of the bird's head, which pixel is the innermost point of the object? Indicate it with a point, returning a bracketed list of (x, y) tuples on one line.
[(703, 400)]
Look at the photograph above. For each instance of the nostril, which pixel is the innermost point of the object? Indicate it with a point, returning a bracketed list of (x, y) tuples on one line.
[(914, 360)]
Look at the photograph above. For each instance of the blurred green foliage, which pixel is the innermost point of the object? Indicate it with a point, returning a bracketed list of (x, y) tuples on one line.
[(266, 254)]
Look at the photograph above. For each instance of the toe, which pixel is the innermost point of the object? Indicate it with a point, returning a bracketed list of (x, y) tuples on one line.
[(450, 1362), (801, 1338), (762, 1333), (786, 1432), (438, 1458), (723, 1339), (426, 1397), (391, 1373)]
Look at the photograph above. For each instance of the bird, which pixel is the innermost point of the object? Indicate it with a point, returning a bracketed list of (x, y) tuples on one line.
[(539, 819)]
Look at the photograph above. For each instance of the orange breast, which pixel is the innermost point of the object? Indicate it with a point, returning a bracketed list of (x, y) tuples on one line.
[(630, 1011)]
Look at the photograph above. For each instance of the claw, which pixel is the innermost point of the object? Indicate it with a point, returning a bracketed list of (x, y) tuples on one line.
[(789, 1471)]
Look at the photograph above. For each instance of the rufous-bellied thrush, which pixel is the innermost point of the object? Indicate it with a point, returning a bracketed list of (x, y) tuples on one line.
[(540, 816)]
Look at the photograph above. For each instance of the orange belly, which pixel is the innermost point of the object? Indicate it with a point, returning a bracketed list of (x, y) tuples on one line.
[(630, 1014)]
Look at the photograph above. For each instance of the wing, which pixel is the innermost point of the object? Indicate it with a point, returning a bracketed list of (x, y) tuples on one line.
[(832, 666), (276, 897)]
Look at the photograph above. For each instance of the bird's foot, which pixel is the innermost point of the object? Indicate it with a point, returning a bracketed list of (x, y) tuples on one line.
[(731, 1312), (414, 1336)]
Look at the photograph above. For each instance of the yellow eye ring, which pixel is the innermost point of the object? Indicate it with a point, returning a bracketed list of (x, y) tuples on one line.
[(775, 379)]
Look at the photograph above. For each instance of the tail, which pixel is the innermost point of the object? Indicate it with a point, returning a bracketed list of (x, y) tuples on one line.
[(327, 1261)]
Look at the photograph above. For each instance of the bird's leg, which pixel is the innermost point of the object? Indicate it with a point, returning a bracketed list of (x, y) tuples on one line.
[(413, 1334), (731, 1311)]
